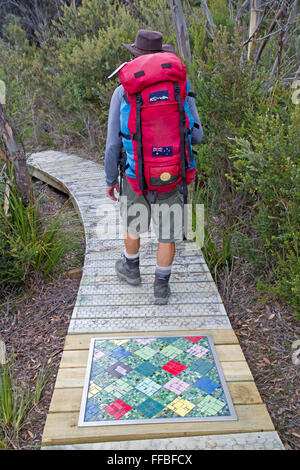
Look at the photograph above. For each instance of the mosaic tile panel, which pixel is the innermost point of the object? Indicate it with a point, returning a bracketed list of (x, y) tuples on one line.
[(154, 379)]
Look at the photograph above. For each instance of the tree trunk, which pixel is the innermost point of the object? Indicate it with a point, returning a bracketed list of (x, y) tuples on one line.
[(16, 157), (209, 19), (254, 5), (182, 36)]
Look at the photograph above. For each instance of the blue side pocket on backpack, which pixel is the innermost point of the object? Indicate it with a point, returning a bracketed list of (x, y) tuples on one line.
[(127, 143), (192, 122)]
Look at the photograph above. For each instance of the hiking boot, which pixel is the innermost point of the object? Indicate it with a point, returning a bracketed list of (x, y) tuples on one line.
[(162, 290), (129, 270)]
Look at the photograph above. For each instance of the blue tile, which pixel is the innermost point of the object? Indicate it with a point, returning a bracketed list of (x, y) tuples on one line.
[(206, 384), (201, 366), (90, 411), (146, 368), (120, 353), (149, 408)]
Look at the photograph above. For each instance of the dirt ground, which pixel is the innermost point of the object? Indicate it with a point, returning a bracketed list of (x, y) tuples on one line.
[(35, 330)]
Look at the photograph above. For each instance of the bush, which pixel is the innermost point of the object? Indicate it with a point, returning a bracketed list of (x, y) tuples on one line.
[(30, 245), (267, 169), (249, 163)]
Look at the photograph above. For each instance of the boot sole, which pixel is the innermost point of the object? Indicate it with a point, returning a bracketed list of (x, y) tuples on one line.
[(161, 301), (132, 282)]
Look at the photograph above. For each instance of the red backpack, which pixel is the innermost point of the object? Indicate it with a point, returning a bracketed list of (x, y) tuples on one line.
[(159, 127)]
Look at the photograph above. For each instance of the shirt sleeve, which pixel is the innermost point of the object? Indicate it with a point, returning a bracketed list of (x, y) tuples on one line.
[(113, 140), (197, 133)]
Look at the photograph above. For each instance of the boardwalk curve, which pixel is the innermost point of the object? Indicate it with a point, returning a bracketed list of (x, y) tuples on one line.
[(105, 306)]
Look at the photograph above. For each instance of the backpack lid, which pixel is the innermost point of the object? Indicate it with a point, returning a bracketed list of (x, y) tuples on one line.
[(152, 68)]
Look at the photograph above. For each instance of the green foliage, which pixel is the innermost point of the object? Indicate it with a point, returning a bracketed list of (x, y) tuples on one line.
[(43, 377), (28, 244), (226, 95), (251, 153), (58, 96), (15, 401), (267, 169)]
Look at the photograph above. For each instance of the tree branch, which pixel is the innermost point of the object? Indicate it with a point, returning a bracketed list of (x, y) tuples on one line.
[(285, 37), (16, 156), (280, 14)]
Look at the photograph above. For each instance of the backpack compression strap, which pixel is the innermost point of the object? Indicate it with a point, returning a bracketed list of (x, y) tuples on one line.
[(182, 128), (138, 137)]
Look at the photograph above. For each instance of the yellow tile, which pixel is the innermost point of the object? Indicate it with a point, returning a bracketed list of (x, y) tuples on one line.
[(181, 406), (118, 342), (93, 389)]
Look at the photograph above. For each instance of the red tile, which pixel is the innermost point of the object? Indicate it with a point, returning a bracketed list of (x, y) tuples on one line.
[(174, 367), (194, 339), (118, 408)]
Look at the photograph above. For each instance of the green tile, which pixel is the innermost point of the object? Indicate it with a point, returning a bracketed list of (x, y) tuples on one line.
[(170, 351), (146, 352)]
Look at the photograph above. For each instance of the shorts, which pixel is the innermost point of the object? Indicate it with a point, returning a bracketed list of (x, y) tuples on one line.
[(167, 214)]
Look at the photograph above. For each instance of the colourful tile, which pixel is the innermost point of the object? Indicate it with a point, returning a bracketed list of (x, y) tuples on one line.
[(148, 387), (152, 379), (206, 384), (174, 367), (150, 408), (194, 339), (120, 353), (176, 385), (146, 368), (118, 408), (197, 350), (170, 351), (201, 366), (119, 369), (164, 396), (180, 406), (146, 352)]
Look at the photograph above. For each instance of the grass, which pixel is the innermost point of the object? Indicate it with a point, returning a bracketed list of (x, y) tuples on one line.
[(17, 400), (31, 244)]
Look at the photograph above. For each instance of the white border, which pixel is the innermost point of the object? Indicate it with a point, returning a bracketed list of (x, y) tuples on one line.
[(82, 423)]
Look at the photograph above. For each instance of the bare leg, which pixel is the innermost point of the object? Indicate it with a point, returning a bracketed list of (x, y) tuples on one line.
[(165, 254), (132, 243)]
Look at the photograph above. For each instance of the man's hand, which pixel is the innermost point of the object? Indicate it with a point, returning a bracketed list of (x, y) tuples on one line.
[(110, 191)]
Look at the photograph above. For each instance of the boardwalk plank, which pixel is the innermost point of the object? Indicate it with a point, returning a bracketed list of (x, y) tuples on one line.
[(61, 428), (81, 341)]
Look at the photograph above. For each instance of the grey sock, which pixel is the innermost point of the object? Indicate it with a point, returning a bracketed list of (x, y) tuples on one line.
[(131, 257), (163, 272)]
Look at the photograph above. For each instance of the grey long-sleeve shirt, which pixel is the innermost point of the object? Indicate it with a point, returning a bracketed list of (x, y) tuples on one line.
[(114, 141)]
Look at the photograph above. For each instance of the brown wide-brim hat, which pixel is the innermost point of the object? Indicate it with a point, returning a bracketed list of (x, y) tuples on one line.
[(148, 42)]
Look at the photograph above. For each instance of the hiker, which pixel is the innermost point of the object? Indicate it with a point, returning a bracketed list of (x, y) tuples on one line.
[(169, 177)]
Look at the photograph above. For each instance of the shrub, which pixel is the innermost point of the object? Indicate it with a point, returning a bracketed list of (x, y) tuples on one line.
[(249, 163), (28, 244)]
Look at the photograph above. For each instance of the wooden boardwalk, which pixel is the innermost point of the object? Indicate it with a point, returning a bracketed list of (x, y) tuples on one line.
[(105, 307)]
